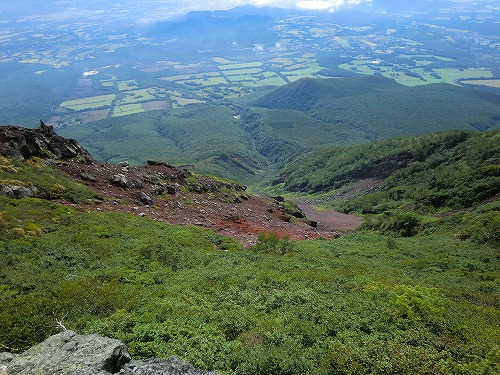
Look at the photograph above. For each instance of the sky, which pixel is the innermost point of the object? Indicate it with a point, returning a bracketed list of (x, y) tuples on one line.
[(330, 5), (165, 7)]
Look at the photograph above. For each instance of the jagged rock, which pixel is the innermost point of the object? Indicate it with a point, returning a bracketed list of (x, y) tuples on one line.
[(157, 162), (160, 189), (5, 358), (119, 179), (137, 184), (172, 366), (17, 192), (88, 177), (69, 353), (145, 199), (23, 143), (123, 164)]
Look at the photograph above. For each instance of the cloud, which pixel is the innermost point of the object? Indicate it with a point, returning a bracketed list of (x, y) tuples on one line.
[(331, 5)]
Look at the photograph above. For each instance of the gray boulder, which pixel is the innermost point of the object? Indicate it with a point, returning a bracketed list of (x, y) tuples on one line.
[(172, 366), (145, 199), (18, 192), (120, 180), (88, 177), (69, 353)]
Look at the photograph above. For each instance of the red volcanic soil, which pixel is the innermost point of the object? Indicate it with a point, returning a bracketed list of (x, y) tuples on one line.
[(331, 219), (224, 207)]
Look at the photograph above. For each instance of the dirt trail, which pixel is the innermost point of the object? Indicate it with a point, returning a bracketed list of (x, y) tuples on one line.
[(331, 219)]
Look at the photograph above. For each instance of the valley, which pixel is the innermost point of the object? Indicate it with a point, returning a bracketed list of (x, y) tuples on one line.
[(254, 190)]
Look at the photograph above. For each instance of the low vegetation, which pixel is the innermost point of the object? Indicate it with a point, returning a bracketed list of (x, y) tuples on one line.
[(413, 295), (450, 170)]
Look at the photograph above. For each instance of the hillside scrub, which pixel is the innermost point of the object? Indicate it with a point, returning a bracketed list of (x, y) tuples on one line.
[(365, 303), (452, 169)]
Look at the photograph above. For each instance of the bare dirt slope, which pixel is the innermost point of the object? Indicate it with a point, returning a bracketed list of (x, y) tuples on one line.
[(165, 193)]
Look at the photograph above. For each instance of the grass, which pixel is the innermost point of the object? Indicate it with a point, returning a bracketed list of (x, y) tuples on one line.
[(483, 82), (445, 75), (127, 85), (452, 75), (127, 109), (211, 81), (190, 76), (237, 72), (344, 43), (310, 71), (185, 101), (365, 303), (240, 66), (91, 102), (138, 96)]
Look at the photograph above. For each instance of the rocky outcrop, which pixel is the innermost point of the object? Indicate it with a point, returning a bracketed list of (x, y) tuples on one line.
[(24, 143), (18, 192), (172, 366), (68, 353)]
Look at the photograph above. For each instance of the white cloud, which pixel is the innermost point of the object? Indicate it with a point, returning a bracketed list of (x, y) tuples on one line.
[(331, 5)]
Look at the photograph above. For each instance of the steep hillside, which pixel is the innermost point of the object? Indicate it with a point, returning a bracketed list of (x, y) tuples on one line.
[(157, 190), (208, 137), (452, 169), (404, 181), (399, 297), (352, 110)]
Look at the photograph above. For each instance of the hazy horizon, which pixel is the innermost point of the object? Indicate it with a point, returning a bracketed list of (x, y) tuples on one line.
[(149, 11)]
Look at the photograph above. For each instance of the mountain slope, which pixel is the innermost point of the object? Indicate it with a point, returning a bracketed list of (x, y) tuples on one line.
[(156, 190), (365, 303), (374, 108), (451, 169)]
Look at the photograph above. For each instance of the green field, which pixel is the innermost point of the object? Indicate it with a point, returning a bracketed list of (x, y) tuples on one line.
[(254, 64), (190, 76), (211, 81), (127, 109), (185, 101), (237, 72), (91, 102), (452, 75), (484, 82), (448, 75), (137, 96), (308, 72), (344, 43), (127, 85), (270, 79)]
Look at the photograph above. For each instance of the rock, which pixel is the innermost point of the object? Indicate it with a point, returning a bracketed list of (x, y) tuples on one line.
[(119, 179), (160, 163), (69, 353), (170, 189), (23, 143), (123, 164), (145, 199), (160, 189), (172, 366), (18, 192), (137, 184), (88, 177)]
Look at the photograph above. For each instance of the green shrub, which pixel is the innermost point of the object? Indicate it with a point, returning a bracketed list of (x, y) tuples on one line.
[(272, 244)]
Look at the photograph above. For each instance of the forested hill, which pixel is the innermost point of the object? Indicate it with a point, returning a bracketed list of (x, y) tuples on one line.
[(373, 108), (451, 169)]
